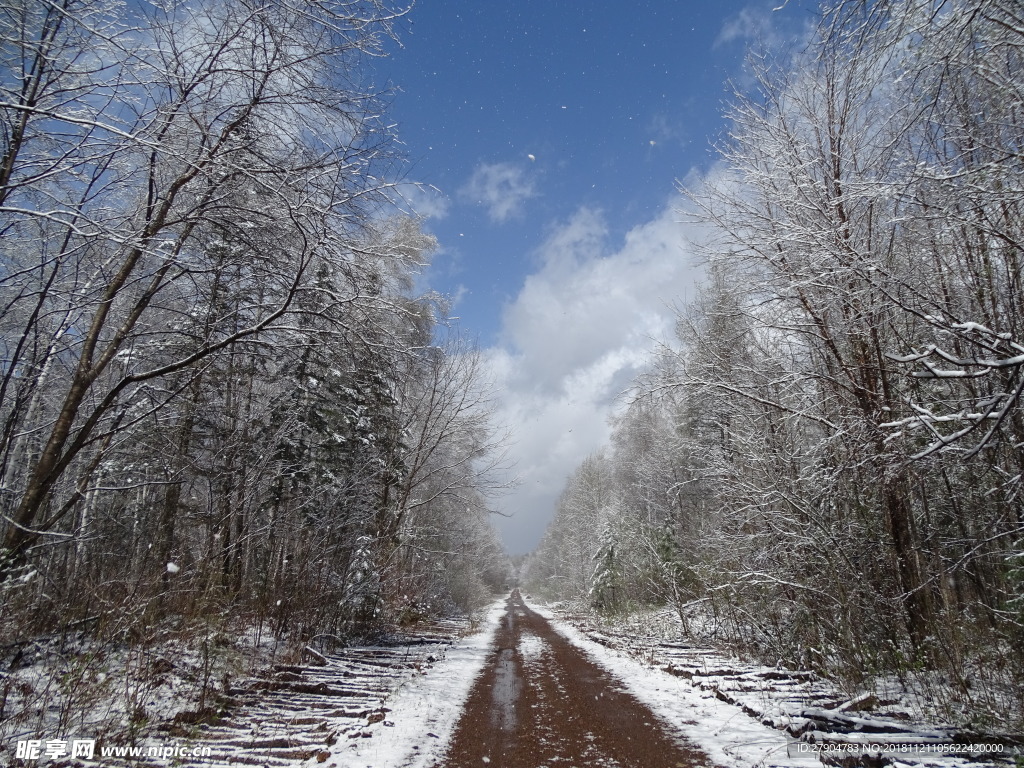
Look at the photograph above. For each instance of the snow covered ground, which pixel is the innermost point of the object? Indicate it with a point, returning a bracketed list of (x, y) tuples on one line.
[(743, 715), (386, 705), (737, 726), (424, 709), (728, 735), (398, 707)]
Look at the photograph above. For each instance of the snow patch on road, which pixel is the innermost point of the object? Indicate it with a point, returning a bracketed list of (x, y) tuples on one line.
[(728, 736), (531, 647), (424, 710)]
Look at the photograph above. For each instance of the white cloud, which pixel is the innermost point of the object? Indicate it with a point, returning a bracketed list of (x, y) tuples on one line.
[(421, 200), (767, 30), (750, 25), (662, 131), (502, 188), (581, 327)]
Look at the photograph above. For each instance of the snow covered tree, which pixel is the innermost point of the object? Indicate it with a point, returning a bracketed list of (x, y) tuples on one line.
[(563, 565), (606, 583), (157, 157), (843, 483), (215, 364), (454, 454)]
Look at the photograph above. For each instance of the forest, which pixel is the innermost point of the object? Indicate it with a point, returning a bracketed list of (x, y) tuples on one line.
[(823, 468), (232, 415), (225, 408)]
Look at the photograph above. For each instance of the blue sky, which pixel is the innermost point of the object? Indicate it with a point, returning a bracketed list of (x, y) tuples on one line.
[(555, 134)]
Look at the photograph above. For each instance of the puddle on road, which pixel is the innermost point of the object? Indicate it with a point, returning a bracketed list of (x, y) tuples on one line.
[(506, 690)]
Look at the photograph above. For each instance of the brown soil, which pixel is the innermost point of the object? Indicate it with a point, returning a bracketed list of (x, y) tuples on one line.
[(541, 702)]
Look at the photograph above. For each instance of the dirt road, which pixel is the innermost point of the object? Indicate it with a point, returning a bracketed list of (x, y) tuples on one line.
[(541, 702)]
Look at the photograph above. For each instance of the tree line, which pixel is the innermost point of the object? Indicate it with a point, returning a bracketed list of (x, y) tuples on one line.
[(220, 393), (824, 466)]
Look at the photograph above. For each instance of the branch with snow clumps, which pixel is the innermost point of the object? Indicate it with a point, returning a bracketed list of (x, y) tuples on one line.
[(990, 411)]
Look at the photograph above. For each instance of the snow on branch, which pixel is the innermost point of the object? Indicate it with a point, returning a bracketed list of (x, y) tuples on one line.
[(984, 413)]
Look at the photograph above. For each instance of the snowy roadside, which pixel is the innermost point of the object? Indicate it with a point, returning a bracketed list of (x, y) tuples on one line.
[(728, 736), (734, 728), (376, 705), (423, 710)]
